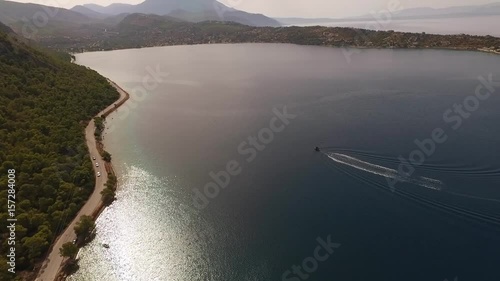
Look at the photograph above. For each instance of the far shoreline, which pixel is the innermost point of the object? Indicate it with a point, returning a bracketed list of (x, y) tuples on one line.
[(479, 50)]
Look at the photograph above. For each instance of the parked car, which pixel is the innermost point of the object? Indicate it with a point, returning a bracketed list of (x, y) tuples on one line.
[(97, 164), (98, 174), (93, 157)]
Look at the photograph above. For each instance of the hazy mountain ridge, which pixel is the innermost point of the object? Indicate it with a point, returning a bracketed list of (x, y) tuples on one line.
[(5, 29), (11, 12), (479, 10), (113, 9), (89, 12), (193, 10), (412, 13), (15, 14), (146, 30)]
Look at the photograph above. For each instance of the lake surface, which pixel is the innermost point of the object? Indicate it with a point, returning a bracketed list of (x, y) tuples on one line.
[(284, 201), (479, 25)]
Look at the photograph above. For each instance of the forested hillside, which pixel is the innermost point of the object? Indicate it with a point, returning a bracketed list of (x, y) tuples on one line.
[(139, 30), (45, 104)]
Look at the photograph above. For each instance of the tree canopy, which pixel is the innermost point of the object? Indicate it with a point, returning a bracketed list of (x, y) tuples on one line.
[(84, 227), (45, 104), (68, 250)]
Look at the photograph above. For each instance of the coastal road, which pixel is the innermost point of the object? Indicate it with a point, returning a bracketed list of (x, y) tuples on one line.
[(52, 263)]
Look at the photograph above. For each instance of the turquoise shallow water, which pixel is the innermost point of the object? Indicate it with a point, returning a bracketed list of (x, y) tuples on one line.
[(440, 223)]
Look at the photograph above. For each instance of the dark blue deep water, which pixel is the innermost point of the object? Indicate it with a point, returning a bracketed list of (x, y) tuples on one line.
[(365, 114)]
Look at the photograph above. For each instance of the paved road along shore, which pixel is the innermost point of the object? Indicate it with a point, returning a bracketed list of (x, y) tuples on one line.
[(52, 263)]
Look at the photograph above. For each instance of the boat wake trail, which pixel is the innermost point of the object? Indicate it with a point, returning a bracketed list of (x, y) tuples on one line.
[(384, 171), (487, 217)]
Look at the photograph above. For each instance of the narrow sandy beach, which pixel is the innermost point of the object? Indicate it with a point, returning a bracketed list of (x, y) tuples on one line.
[(52, 263)]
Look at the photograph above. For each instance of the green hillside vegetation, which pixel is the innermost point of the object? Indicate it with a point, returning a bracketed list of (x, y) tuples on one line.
[(45, 104)]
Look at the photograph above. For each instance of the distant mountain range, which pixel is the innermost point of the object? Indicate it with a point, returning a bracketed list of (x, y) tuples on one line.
[(89, 12), (414, 13), (13, 13), (93, 27), (455, 11), (141, 30), (83, 29), (189, 10)]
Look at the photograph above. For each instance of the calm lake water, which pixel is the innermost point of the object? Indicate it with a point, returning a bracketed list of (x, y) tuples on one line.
[(272, 220), (480, 25)]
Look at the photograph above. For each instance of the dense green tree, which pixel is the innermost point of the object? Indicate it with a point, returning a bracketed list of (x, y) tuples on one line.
[(106, 156), (84, 227), (38, 243), (68, 250), (108, 196)]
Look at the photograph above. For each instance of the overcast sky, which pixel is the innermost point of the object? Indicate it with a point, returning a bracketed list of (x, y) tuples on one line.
[(299, 8)]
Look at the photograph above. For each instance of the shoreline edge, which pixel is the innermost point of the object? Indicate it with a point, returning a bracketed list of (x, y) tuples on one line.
[(52, 264)]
